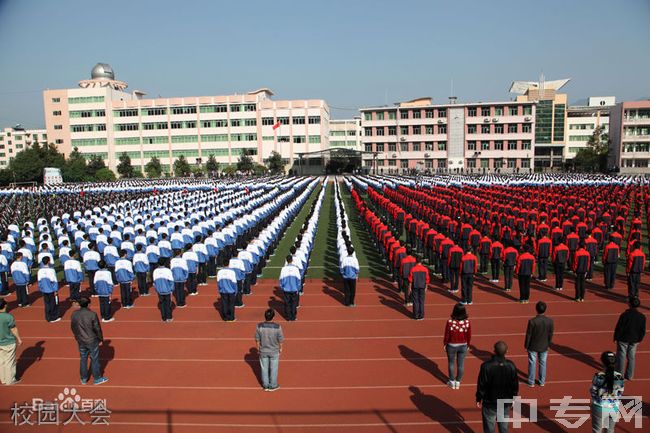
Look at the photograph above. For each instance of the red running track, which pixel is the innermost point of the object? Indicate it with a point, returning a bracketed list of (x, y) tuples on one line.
[(365, 369)]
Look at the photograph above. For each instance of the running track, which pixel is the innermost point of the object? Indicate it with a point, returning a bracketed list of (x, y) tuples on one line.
[(367, 369)]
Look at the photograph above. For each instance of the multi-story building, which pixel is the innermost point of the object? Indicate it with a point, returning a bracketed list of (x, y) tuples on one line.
[(102, 118), (582, 121), (345, 133), (550, 118), (453, 137), (16, 139), (629, 134)]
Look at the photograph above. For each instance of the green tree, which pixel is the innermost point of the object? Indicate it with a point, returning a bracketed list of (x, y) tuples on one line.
[(75, 169), (124, 168), (212, 166), (245, 162), (182, 167), (28, 164), (95, 164), (104, 175), (594, 156), (6, 177), (153, 168), (197, 170), (229, 170), (260, 169), (276, 165)]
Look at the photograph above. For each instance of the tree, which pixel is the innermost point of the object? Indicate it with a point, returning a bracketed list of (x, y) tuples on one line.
[(260, 169), (229, 170), (75, 169), (212, 166), (95, 164), (197, 170), (245, 162), (28, 164), (594, 156), (276, 165), (153, 168), (104, 175), (182, 167), (124, 168)]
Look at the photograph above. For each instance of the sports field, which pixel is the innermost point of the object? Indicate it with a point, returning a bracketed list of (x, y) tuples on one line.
[(365, 369)]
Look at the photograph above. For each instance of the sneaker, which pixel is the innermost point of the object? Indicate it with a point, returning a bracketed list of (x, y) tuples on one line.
[(232, 320), (470, 303), (84, 381), (181, 306), (451, 384), (409, 304), (266, 389), (145, 294), (194, 294), (530, 385), (100, 381), (58, 319), (240, 306), (457, 385), (274, 388), (541, 384), (463, 303), (128, 307), (15, 382), (112, 319), (169, 320)]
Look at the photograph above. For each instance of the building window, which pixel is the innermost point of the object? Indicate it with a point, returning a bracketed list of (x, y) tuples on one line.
[(250, 107), (525, 127), (392, 130), (525, 145), (368, 147), (428, 129), (442, 145), (127, 127), (442, 163), (368, 131), (485, 145), (417, 114), (514, 111), (404, 114), (485, 163), (512, 128), (417, 147), (380, 147), (314, 120), (250, 122), (380, 116), (498, 163), (392, 115), (235, 108), (471, 163), (403, 147), (404, 163), (512, 145), (214, 108), (498, 111), (56, 100), (471, 145), (380, 131), (428, 145), (125, 113), (498, 145), (367, 116), (56, 113), (392, 163), (471, 129), (428, 114), (485, 129), (236, 122), (58, 126), (86, 100), (404, 130), (442, 129), (485, 111), (528, 110), (525, 163), (512, 163), (58, 141), (298, 120), (471, 112), (159, 111), (417, 130), (392, 147), (314, 139), (268, 121), (498, 129), (283, 120)]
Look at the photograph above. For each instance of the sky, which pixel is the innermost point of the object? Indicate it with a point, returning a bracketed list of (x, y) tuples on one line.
[(350, 53)]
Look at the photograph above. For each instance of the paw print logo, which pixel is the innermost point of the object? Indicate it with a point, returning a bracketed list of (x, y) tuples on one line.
[(69, 399)]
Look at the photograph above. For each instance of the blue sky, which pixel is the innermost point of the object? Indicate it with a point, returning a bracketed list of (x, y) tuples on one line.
[(350, 53)]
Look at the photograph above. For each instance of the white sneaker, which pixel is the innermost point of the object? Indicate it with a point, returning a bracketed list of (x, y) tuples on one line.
[(451, 384), (456, 385)]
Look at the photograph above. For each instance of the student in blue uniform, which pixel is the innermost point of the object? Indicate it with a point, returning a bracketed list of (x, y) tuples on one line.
[(141, 268), (49, 286), (163, 282), (73, 275), (290, 284), (124, 276), (21, 276), (104, 288), (180, 273), (227, 285)]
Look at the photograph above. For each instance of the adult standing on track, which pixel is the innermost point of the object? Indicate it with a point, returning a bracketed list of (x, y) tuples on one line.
[(458, 334), (539, 334), (9, 340), (525, 270), (290, 285), (418, 279), (610, 260), (581, 265), (350, 273), (88, 333), (497, 379), (269, 339), (630, 331), (634, 268)]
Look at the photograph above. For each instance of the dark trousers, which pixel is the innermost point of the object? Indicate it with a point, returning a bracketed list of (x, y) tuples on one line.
[(541, 267), (125, 294), (51, 306), (590, 272), (21, 294), (105, 307), (508, 273), (91, 281), (496, 267), (228, 306), (580, 285), (489, 416), (5, 284), (290, 305), (445, 269), (165, 302), (212, 266), (524, 287), (610, 275), (559, 275), (202, 275), (74, 291), (349, 290), (191, 282), (633, 280), (483, 263), (454, 276), (405, 288), (142, 282), (418, 303), (240, 291), (179, 292), (92, 350), (467, 281)]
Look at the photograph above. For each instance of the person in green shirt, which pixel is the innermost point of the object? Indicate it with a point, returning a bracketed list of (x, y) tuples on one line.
[(9, 339)]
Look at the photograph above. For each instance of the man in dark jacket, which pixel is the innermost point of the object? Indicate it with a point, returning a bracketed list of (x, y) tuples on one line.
[(418, 279), (497, 380), (630, 330), (538, 338), (88, 333)]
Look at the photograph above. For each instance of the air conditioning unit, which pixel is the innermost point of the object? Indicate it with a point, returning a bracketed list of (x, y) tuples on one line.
[(440, 121), (527, 118), (486, 120), (426, 155), (394, 155), (495, 120), (402, 139)]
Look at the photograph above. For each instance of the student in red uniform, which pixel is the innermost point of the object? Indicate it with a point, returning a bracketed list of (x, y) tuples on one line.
[(560, 259), (591, 245), (454, 260), (525, 270), (610, 260), (496, 250), (544, 247), (484, 253), (509, 258), (418, 279), (405, 270), (581, 264), (634, 268), (468, 267)]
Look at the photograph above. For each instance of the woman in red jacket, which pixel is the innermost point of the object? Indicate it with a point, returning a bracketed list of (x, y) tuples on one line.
[(458, 334)]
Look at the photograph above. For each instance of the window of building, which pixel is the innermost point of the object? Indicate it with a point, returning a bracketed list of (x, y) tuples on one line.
[(498, 129), (485, 163), (56, 100), (215, 137), (404, 114), (58, 141), (314, 120), (185, 138), (380, 131), (392, 130), (368, 147), (268, 121), (235, 108), (512, 163), (158, 111), (471, 129), (428, 129), (314, 139), (58, 126), (250, 107), (283, 120), (417, 147), (485, 145), (525, 163), (428, 114), (298, 120), (528, 110), (125, 113), (514, 111), (471, 163), (417, 114), (442, 129), (392, 147), (417, 130), (471, 145), (512, 145), (126, 127), (380, 115), (525, 145), (404, 130), (56, 113), (352, 133), (485, 129), (498, 111), (512, 128), (250, 122), (525, 127), (392, 115), (498, 145), (471, 112), (442, 145), (403, 147), (299, 139), (367, 116), (485, 111), (190, 109), (442, 163), (222, 108), (155, 140), (404, 163), (392, 163), (498, 163), (86, 100), (127, 140), (368, 131), (380, 147)]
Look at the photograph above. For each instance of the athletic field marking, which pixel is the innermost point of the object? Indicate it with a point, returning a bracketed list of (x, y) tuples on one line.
[(403, 319), (284, 359)]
